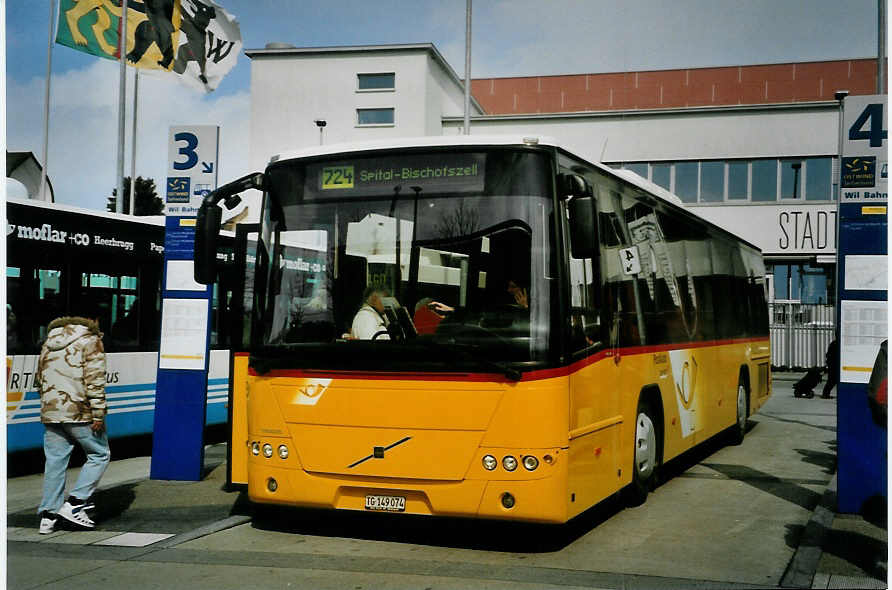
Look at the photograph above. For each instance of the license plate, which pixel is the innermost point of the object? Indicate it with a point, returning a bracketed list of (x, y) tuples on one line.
[(386, 503)]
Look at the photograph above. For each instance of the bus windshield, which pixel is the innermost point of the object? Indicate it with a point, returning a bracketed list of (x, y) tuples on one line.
[(427, 260)]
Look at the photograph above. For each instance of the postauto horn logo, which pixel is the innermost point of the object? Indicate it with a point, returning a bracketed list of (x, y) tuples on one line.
[(310, 391)]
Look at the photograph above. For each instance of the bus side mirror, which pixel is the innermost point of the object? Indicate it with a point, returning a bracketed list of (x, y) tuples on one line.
[(583, 227), (574, 185), (207, 224), (207, 227)]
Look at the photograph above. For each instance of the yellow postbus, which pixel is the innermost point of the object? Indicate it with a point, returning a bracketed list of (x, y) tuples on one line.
[(483, 327)]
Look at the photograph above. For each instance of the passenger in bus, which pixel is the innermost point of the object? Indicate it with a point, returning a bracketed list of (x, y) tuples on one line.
[(12, 337), (369, 322), (125, 330), (71, 381), (429, 314), (519, 293)]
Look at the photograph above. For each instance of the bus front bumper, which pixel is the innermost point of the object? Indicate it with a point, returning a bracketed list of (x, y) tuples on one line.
[(536, 500)]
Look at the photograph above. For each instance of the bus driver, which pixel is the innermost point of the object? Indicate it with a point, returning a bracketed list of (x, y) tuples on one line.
[(370, 320)]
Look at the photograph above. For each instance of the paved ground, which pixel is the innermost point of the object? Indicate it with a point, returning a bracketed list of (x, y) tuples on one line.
[(838, 550), (757, 515)]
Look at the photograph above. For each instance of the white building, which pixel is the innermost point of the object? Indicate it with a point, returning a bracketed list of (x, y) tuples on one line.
[(361, 93)]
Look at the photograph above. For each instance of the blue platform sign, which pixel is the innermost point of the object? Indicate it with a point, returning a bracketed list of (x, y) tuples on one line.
[(183, 357), (862, 310)]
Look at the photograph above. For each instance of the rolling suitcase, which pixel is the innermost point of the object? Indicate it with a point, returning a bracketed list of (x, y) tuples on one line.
[(805, 386)]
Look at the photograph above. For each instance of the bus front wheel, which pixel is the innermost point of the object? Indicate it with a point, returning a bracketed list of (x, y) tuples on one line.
[(738, 431), (646, 455)]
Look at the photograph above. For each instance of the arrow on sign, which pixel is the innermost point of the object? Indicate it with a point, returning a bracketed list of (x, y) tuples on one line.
[(207, 168)]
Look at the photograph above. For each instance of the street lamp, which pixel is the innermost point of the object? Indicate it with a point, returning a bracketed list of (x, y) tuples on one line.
[(320, 123)]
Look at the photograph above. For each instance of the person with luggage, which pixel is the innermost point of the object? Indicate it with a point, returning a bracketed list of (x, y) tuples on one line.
[(832, 361)]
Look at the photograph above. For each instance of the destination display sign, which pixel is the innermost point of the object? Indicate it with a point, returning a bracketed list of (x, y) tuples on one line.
[(399, 174)]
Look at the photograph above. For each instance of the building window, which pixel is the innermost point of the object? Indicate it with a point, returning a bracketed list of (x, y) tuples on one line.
[(715, 181), (376, 82), (737, 180), (791, 179), (765, 180), (712, 182), (818, 185), (374, 117), (639, 168), (686, 181), (804, 283), (662, 174)]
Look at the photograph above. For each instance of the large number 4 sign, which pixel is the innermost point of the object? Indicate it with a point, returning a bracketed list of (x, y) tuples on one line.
[(872, 113)]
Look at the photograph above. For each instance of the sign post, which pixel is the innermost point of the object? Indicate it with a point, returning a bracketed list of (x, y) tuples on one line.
[(183, 358), (862, 311)]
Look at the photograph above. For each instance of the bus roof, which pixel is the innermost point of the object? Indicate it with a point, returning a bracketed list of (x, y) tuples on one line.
[(412, 142), (157, 220)]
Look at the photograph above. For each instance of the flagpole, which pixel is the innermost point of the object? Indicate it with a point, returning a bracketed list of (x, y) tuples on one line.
[(467, 122), (133, 150), (46, 104), (122, 94)]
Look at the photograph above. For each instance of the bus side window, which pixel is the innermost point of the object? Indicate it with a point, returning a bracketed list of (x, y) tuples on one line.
[(15, 317), (49, 303)]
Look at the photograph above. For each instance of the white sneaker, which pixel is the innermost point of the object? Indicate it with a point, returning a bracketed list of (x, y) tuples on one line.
[(75, 514), (47, 522)]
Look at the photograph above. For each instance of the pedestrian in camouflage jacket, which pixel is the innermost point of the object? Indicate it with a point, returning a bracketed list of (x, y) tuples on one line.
[(71, 380), (71, 372)]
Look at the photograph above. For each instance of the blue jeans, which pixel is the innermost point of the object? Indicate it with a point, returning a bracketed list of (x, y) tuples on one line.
[(58, 442)]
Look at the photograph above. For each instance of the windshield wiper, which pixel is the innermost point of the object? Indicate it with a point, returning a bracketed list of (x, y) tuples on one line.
[(467, 352)]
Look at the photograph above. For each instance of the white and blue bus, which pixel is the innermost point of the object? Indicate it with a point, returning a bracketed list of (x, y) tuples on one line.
[(64, 260)]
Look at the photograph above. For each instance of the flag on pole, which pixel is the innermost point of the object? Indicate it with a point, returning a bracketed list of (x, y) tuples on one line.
[(195, 39)]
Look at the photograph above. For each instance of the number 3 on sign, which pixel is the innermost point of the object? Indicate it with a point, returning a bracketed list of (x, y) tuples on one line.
[(187, 151), (628, 258)]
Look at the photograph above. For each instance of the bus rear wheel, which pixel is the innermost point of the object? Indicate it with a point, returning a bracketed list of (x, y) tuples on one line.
[(646, 455)]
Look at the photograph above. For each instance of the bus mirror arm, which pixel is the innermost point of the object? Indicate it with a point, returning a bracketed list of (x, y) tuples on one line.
[(207, 224)]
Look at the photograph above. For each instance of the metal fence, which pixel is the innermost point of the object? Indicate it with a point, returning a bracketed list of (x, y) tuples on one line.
[(800, 334)]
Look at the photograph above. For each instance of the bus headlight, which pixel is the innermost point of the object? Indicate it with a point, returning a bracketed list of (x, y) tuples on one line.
[(267, 450), (489, 462), (283, 452), (530, 463), (255, 448), (509, 463)]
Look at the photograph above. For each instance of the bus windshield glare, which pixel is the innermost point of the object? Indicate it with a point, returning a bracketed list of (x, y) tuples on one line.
[(426, 260)]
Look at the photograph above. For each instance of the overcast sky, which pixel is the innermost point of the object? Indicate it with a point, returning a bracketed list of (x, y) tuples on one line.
[(510, 38)]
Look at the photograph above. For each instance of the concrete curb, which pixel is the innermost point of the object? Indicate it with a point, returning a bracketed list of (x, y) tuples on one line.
[(804, 565), (214, 527)]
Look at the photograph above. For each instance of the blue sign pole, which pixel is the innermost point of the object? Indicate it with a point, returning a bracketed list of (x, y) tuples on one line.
[(181, 396), (862, 312), (862, 306), (183, 357)]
